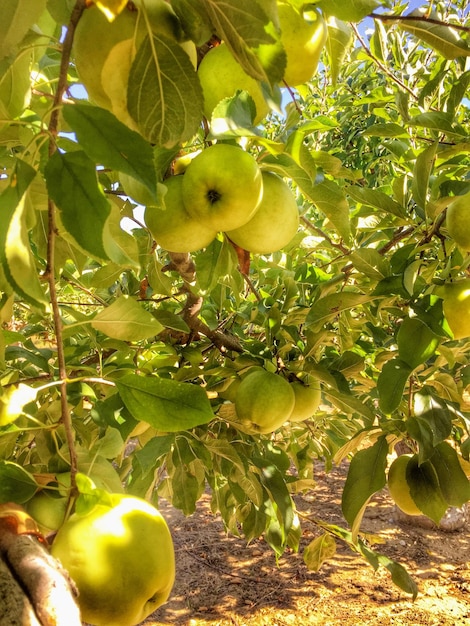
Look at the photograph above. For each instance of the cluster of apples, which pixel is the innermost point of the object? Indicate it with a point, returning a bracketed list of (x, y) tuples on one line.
[(263, 400), (303, 36), (224, 190)]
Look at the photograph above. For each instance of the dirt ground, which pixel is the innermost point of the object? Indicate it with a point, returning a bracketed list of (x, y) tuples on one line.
[(221, 581)]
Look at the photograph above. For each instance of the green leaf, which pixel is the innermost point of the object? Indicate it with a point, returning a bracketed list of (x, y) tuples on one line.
[(127, 320), (330, 199), (340, 37), (167, 405), (425, 489), (433, 414), (366, 476), (350, 11), (386, 130), (416, 342), (318, 551), (16, 484), (164, 95), (234, 117), (391, 384), (171, 320), (152, 451), (185, 489), (326, 309), (250, 36), (217, 260), (72, 184), (454, 484), (194, 20), (348, 403), (400, 576), (273, 480), (437, 121), (371, 263), (17, 18), (421, 174), (16, 259), (442, 37), (376, 199), (110, 143), (15, 85)]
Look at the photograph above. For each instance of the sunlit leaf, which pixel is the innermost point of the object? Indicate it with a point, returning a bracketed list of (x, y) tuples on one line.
[(164, 95), (318, 551), (73, 185), (366, 476), (17, 18), (111, 143), (442, 37), (167, 405), (126, 319)]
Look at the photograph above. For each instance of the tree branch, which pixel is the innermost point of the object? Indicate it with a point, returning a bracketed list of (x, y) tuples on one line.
[(383, 67), (51, 241), (184, 265)]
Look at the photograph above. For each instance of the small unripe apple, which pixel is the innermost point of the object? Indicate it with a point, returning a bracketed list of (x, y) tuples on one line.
[(456, 306), (458, 221), (221, 76), (307, 400), (263, 402)]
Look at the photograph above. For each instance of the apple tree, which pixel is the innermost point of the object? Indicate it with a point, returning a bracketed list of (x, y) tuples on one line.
[(224, 256)]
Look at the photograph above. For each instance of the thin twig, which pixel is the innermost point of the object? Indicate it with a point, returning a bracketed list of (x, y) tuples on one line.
[(51, 241), (383, 67)]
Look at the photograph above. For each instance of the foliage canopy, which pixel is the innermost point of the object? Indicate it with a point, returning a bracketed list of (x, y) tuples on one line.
[(123, 357)]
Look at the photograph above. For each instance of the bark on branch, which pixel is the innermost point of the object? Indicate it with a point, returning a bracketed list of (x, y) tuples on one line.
[(184, 265)]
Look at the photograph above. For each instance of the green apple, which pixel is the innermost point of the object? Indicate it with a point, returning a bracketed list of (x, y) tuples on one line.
[(458, 221), (221, 76), (263, 402), (121, 558), (456, 306), (172, 227), (275, 222), (307, 400), (136, 190), (222, 187), (398, 485), (303, 37), (48, 511)]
